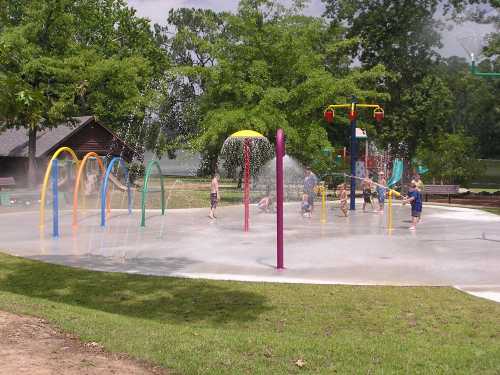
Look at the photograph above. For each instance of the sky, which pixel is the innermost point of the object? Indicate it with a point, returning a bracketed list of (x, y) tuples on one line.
[(157, 12)]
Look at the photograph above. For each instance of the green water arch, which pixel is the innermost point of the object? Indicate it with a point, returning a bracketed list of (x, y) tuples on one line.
[(145, 190)]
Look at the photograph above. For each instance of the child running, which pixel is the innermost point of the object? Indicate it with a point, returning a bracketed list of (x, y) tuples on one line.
[(381, 190), (343, 199), (415, 199)]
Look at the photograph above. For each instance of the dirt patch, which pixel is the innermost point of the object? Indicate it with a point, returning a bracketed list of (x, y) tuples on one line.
[(31, 346)]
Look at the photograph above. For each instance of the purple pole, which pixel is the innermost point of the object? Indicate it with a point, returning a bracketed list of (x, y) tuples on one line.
[(280, 153)]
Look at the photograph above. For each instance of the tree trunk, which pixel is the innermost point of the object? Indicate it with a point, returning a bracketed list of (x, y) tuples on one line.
[(32, 156)]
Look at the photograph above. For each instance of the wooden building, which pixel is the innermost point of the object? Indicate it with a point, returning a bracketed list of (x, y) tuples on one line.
[(83, 135)]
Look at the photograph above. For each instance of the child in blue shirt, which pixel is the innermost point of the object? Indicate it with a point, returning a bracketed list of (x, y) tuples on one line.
[(415, 199)]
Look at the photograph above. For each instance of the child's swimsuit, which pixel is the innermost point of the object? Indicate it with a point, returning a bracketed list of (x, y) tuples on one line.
[(367, 195), (213, 200)]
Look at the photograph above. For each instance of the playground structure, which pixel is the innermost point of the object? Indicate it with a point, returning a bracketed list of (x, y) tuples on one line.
[(329, 114), (52, 173)]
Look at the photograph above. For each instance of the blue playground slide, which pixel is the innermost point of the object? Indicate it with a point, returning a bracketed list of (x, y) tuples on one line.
[(397, 173)]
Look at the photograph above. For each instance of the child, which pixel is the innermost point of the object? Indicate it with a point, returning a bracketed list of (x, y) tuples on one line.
[(367, 193), (265, 204), (214, 195), (415, 199), (306, 206), (343, 199), (381, 190)]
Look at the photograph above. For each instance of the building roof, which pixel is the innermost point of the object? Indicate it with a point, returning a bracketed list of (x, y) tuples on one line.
[(14, 142)]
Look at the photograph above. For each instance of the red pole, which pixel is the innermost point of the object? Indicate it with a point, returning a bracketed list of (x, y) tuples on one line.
[(246, 183), (280, 153)]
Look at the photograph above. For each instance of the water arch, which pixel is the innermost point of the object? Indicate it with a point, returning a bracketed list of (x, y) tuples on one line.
[(48, 172), (145, 190), (105, 186), (79, 178)]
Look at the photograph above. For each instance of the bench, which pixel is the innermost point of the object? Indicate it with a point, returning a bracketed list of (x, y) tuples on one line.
[(448, 190), (5, 196)]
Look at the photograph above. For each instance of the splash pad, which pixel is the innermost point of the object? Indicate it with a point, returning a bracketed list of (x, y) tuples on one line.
[(361, 249), (447, 249)]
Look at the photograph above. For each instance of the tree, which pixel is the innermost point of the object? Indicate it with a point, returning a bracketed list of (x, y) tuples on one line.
[(189, 39), (274, 70), (451, 159), (37, 85), (404, 37), (476, 110), (62, 58)]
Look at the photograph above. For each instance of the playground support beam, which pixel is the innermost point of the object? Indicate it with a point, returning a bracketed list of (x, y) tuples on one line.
[(354, 154), (246, 184), (55, 199), (280, 154), (378, 114)]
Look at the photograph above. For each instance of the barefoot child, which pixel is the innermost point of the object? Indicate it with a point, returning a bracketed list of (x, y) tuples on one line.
[(266, 204), (214, 195), (381, 190), (306, 206), (415, 199), (367, 192), (343, 199)]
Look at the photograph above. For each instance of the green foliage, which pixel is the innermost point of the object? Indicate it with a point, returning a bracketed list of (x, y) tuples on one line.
[(274, 70), (190, 46), (62, 58), (451, 158), (476, 109), (404, 37)]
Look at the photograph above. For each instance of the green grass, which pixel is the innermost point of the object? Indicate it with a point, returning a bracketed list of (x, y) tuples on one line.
[(493, 210), (479, 190), (211, 327)]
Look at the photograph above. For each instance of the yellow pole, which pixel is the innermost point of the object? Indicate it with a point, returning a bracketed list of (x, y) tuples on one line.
[(389, 212), (47, 176), (323, 205)]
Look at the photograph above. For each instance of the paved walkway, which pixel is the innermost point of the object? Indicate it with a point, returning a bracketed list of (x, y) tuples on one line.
[(452, 246)]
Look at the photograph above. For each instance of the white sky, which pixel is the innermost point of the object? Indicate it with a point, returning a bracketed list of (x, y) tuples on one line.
[(157, 12)]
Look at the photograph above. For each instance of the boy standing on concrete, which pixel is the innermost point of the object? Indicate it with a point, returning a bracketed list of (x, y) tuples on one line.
[(415, 199), (381, 190), (214, 195)]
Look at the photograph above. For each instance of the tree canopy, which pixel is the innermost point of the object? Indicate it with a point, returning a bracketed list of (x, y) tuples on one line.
[(202, 75)]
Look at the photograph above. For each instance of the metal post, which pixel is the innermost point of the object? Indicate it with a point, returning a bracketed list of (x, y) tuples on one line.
[(354, 153), (280, 153), (323, 205), (389, 212), (366, 157), (55, 199), (246, 184)]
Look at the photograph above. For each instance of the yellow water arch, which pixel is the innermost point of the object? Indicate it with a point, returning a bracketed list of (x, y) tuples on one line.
[(47, 176)]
